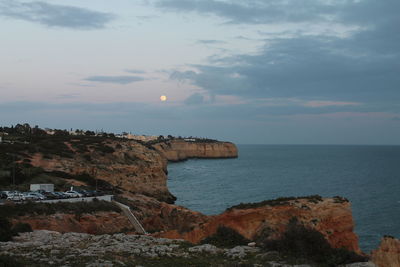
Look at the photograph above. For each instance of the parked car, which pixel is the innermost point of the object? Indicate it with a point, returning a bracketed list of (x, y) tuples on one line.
[(29, 196), (73, 194), (85, 193), (3, 195), (15, 196), (49, 195), (60, 195), (38, 195)]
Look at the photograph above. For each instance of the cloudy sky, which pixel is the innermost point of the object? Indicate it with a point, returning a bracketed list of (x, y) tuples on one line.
[(248, 71)]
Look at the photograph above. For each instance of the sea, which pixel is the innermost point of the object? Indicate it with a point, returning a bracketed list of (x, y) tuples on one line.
[(369, 176)]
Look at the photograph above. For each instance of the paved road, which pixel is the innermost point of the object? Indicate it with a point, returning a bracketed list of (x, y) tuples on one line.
[(108, 198)]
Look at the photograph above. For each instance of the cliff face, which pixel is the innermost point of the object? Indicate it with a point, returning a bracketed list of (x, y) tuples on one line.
[(140, 173), (97, 223), (331, 217), (131, 167), (178, 150), (388, 253)]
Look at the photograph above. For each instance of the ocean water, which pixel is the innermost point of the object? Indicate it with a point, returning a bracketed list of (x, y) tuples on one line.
[(369, 176)]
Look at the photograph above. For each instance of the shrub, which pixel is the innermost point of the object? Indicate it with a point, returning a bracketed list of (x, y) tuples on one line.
[(31, 208), (276, 202), (8, 261), (300, 242), (226, 237), (5, 230), (21, 228)]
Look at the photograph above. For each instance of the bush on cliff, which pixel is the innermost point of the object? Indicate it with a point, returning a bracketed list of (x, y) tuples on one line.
[(8, 261), (276, 202), (299, 242), (5, 230), (226, 237), (31, 208), (21, 228)]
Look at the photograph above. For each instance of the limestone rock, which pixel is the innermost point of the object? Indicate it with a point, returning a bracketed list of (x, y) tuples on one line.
[(330, 216), (388, 253), (178, 150)]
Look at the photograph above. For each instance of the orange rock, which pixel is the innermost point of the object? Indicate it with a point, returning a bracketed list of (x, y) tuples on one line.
[(97, 223), (388, 253), (330, 217), (132, 167), (178, 150)]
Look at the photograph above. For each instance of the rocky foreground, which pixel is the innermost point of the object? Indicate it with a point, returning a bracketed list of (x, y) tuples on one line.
[(48, 248)]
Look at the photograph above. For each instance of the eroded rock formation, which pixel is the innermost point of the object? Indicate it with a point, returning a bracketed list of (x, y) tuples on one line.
[(330, 216), (131, 167), (178, 150), (388, 253), (139, 171)]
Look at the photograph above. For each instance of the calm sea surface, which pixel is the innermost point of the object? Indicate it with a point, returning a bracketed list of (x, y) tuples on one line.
[(369, 176)]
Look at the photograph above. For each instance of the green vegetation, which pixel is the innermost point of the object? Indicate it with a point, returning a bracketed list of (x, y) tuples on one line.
[(21, 228), (8, 261), (338, 199), (34, 208), (276, 202), (7, 231), (83, 177), (226, 237), (21, 142), (300, 244)]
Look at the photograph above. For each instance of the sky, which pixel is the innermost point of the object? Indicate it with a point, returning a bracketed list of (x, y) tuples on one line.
[(246, 71)]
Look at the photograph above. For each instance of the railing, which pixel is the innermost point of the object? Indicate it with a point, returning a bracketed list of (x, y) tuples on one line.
[(131, 217)]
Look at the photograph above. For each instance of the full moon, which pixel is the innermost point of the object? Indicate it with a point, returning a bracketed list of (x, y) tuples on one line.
[(163, 98)]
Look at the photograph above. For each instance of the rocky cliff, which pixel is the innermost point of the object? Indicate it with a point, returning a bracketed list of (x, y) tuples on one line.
[(178, 150), (126, 165), (388, 253), (330, 216), (139, 172)]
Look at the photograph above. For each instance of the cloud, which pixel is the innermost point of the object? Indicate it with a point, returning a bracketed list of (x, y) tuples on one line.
[(68, 96), (325, 70), (55, 15), (316, 104), (135, 71), (114, 79), (208, 42), (255, 11), (194, 99)]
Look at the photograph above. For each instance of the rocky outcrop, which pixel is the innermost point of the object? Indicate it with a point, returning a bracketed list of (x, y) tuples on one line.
[(156, 216), (388, 253), (330, 216), (97, 223), (178, 150), (47, 248)]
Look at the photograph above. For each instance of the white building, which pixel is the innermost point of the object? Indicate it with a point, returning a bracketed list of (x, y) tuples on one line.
[(45, 187)]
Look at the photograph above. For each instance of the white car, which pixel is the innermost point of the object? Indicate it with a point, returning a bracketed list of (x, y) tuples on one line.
[(33, 196), (73, 194), (15, 196)]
